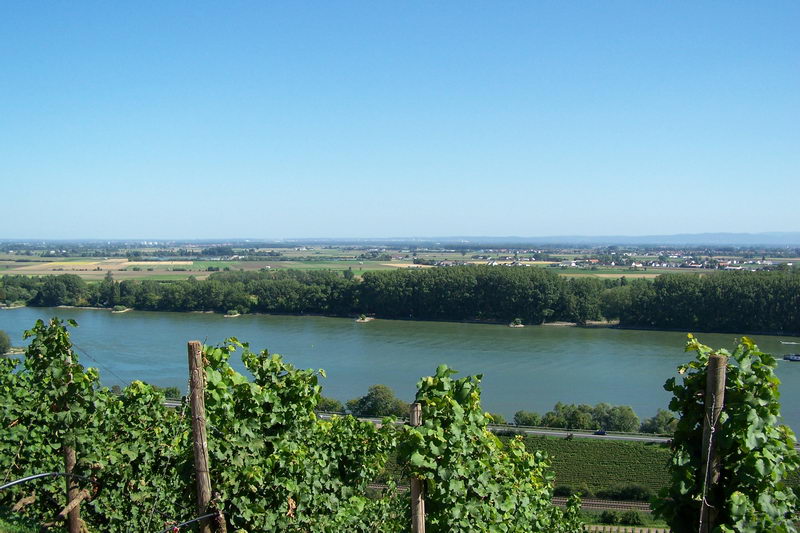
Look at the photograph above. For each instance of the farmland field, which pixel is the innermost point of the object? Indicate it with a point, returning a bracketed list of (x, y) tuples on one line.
[(594, 464), (604, 464), (359, 260)]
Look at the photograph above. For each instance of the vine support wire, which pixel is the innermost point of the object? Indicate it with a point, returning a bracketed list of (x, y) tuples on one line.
[(714, 402), (177, 527), (102, 367), (46, 474)]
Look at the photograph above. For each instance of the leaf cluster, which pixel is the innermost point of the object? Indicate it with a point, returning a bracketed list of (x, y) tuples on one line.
[(756, 453), (277, 466), (473, 482)]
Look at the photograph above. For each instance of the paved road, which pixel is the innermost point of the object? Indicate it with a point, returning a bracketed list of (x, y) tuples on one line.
[(636, 437), (640, 437)]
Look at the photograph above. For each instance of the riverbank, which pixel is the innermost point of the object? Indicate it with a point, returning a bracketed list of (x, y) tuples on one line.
[(590, 324)]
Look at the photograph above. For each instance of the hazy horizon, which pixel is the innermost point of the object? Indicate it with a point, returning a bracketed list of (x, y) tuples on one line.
[(773, 239)]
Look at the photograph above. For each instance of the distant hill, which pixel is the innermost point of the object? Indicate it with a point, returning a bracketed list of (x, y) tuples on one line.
[(681, 239), (770, 239), (767, 239)]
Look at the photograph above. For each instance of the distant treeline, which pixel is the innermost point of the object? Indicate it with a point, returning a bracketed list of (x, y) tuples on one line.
[(735, 301)]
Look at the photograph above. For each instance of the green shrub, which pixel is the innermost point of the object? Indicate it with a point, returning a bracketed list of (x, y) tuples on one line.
[(118, 308), (637, 493), (631, 518), (609, 517), (565, 491)]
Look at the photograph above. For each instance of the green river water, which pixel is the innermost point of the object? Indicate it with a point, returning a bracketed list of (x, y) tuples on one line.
[(529, 368)]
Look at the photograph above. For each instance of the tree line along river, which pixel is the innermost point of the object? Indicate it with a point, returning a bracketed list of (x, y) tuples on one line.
[(528, 368)]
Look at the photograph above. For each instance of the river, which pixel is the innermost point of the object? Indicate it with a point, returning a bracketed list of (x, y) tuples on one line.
[(528, 368)]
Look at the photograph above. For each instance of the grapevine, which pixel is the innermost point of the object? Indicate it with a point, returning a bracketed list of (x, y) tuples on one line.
[(274, 465), (473, 481), (756, 452)]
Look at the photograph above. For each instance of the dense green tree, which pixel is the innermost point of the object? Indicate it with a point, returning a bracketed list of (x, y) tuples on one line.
[(663, 422), (527, 418), (330, 405), (721, 301), (108, 292), (64, 289), (379, 401), (622, 418), (582, 300), (497, 418), (5, 342), (601, 416)]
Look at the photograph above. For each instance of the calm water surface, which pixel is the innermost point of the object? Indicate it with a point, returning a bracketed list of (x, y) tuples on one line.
[(528, 368)]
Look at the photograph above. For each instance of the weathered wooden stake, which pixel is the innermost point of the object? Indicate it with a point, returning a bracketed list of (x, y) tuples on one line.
[(197, 400), (417, 488), (714, 401), (74, 516)]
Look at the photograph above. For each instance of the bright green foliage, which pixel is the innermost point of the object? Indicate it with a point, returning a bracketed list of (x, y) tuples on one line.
[(144, 463), (131, 444), (474, 482), (274, 465), (755, 452), (277, 466)]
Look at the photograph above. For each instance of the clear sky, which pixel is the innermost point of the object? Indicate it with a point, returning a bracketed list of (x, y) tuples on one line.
[(192, 119)]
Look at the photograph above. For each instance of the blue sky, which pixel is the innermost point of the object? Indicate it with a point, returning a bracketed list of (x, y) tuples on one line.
[(371, 119)]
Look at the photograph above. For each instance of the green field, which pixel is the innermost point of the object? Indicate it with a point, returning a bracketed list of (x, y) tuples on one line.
[(594, 464), (160, 276), (331, 265), (604, 464)]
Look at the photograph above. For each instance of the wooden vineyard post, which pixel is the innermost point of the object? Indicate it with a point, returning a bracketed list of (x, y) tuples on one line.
[(417, 489), (74, 515), (198, 404), (714, 401)]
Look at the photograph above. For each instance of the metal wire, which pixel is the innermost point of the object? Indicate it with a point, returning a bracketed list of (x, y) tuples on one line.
[(100, 365), (46, 474), (178, 526)]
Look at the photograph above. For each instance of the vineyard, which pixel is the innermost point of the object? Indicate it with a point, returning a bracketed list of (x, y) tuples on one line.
[(602, 465), (274, 466), (585, 463), (252, 456)]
